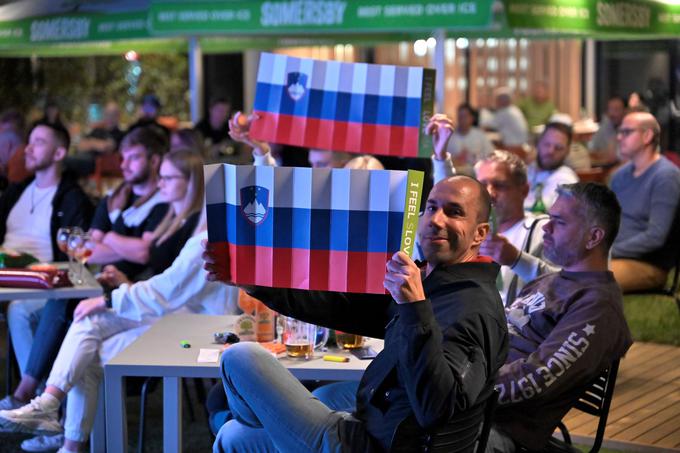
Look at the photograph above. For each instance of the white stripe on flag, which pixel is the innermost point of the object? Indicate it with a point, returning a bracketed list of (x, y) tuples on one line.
[(264, 72), (332, 79), (398, 190), (359, 190), (340, 186), (214, 183), (379, 194), (386, 86), (359, 78), (302, 182), (230, 184), (415, 82), (278, 75), (321, 188)]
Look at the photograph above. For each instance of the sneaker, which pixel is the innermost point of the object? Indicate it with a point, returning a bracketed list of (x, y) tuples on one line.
[(9, 402), (37, 417), (43, 443)]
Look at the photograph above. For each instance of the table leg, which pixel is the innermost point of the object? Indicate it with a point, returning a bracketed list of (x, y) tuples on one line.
[(98, 435), (172, 414), (116, 429)]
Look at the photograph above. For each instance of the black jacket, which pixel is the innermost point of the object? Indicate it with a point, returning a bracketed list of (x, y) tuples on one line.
[(439, 363), (70, 207)]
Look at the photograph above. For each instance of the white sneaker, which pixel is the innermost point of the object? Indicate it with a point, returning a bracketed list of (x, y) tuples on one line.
[(43, 443), (9, 403), (40, 416)]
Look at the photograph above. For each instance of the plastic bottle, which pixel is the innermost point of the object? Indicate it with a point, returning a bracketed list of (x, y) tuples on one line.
[(538, 206)]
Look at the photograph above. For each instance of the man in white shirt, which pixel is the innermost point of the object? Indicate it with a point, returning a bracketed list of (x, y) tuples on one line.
[(549, 171), (508, 120)]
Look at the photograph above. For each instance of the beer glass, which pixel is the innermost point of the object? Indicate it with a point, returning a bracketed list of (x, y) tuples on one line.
[(300, 338), (348, 340)]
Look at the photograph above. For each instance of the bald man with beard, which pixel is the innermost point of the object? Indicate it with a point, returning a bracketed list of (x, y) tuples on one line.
[(648, 188)]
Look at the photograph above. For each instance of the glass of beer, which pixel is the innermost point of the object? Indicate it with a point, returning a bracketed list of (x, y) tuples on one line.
[(299, 338), (348, 340)]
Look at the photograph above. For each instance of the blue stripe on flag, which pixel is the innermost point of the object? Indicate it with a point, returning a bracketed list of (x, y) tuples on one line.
[(315, 229), (340, 106)]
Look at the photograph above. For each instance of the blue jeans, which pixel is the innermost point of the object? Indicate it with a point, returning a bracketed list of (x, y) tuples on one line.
[(272, 410), (53, 320)]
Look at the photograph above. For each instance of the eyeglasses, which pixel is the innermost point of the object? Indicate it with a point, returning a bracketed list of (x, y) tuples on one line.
[(625, 132), (168, 178)]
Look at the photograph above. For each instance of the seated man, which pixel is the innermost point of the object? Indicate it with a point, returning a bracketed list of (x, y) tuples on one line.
[(603, 145), (99, 332), (32, 212), (648, 188), (565, 327), (444, 333), (549, 171)]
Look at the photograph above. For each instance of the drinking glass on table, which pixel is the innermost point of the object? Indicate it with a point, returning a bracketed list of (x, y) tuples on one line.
[(63, 234), (348, 340), (75, 242), (84, 250), (301, 338)]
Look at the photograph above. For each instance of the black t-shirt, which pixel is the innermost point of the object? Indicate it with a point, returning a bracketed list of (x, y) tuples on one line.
[(101, 133), (162, 255), (102, 222)]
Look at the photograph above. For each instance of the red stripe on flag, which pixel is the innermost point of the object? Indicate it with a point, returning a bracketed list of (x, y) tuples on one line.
[(336, 135), (318, 269), (375, 271), (300, 268), (283, 265), (337, 279), (356, 272), (264, 265)]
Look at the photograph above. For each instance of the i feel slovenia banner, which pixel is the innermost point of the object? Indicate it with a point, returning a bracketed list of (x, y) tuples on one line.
[(322, 229), (354, 107)]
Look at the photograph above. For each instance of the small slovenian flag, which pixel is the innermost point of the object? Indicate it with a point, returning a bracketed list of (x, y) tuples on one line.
[(354, 107), (323, 229)]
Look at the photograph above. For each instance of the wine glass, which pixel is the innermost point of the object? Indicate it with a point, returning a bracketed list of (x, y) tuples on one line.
[(84, 250), (75, 241)]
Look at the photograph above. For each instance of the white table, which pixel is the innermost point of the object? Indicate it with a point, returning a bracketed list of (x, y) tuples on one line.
[(89, 288), (158, 353)]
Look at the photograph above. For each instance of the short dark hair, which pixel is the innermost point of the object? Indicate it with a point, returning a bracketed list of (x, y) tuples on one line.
[(600, 206), (151, 137), (560, 127), (60, 132), (616, 97), (471, 110)]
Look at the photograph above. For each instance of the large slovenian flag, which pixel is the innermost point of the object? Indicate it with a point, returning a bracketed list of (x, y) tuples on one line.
[(323, 229), (354, 107)]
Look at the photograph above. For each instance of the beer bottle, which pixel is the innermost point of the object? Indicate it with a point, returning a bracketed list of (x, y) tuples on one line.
[(538, 206)]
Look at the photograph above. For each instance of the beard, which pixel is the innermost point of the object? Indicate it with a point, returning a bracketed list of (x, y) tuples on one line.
[(545, 166), (563, 255), (140, 177)]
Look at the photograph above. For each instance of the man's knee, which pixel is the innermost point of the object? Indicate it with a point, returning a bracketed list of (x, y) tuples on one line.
[(240, 354), (234, 437)]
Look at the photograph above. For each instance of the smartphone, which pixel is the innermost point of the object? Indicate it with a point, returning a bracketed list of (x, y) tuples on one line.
[(364, 353)]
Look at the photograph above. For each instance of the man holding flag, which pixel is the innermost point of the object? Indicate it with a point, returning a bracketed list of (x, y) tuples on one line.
[(445, 339)]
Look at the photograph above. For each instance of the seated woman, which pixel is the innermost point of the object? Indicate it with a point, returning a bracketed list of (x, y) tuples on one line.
[(78, 369), (181, 186)]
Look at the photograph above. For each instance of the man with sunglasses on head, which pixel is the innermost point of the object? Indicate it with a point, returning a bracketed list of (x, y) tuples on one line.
[(648, 188)]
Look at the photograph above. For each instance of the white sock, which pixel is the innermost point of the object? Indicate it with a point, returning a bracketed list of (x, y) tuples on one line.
[(49, 402)]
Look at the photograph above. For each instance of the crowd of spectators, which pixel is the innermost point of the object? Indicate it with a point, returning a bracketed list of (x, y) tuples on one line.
[(545, 273)]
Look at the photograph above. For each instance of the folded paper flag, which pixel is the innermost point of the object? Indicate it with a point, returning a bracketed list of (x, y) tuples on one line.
[(322, 229), (355, 107)]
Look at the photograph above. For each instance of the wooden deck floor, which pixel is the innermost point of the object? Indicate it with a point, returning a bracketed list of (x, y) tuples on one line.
[(645, 412)]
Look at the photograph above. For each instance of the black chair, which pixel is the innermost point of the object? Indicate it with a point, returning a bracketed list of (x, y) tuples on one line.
[(595, 401)]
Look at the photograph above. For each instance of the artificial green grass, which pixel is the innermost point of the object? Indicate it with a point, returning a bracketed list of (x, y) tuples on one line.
[(653, 318)]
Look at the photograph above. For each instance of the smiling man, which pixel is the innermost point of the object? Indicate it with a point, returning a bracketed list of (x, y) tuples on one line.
[(445, 338), (565, 327)]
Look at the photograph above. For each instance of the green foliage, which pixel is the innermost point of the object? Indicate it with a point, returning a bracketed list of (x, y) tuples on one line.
[(653, 318), (74, 83)]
